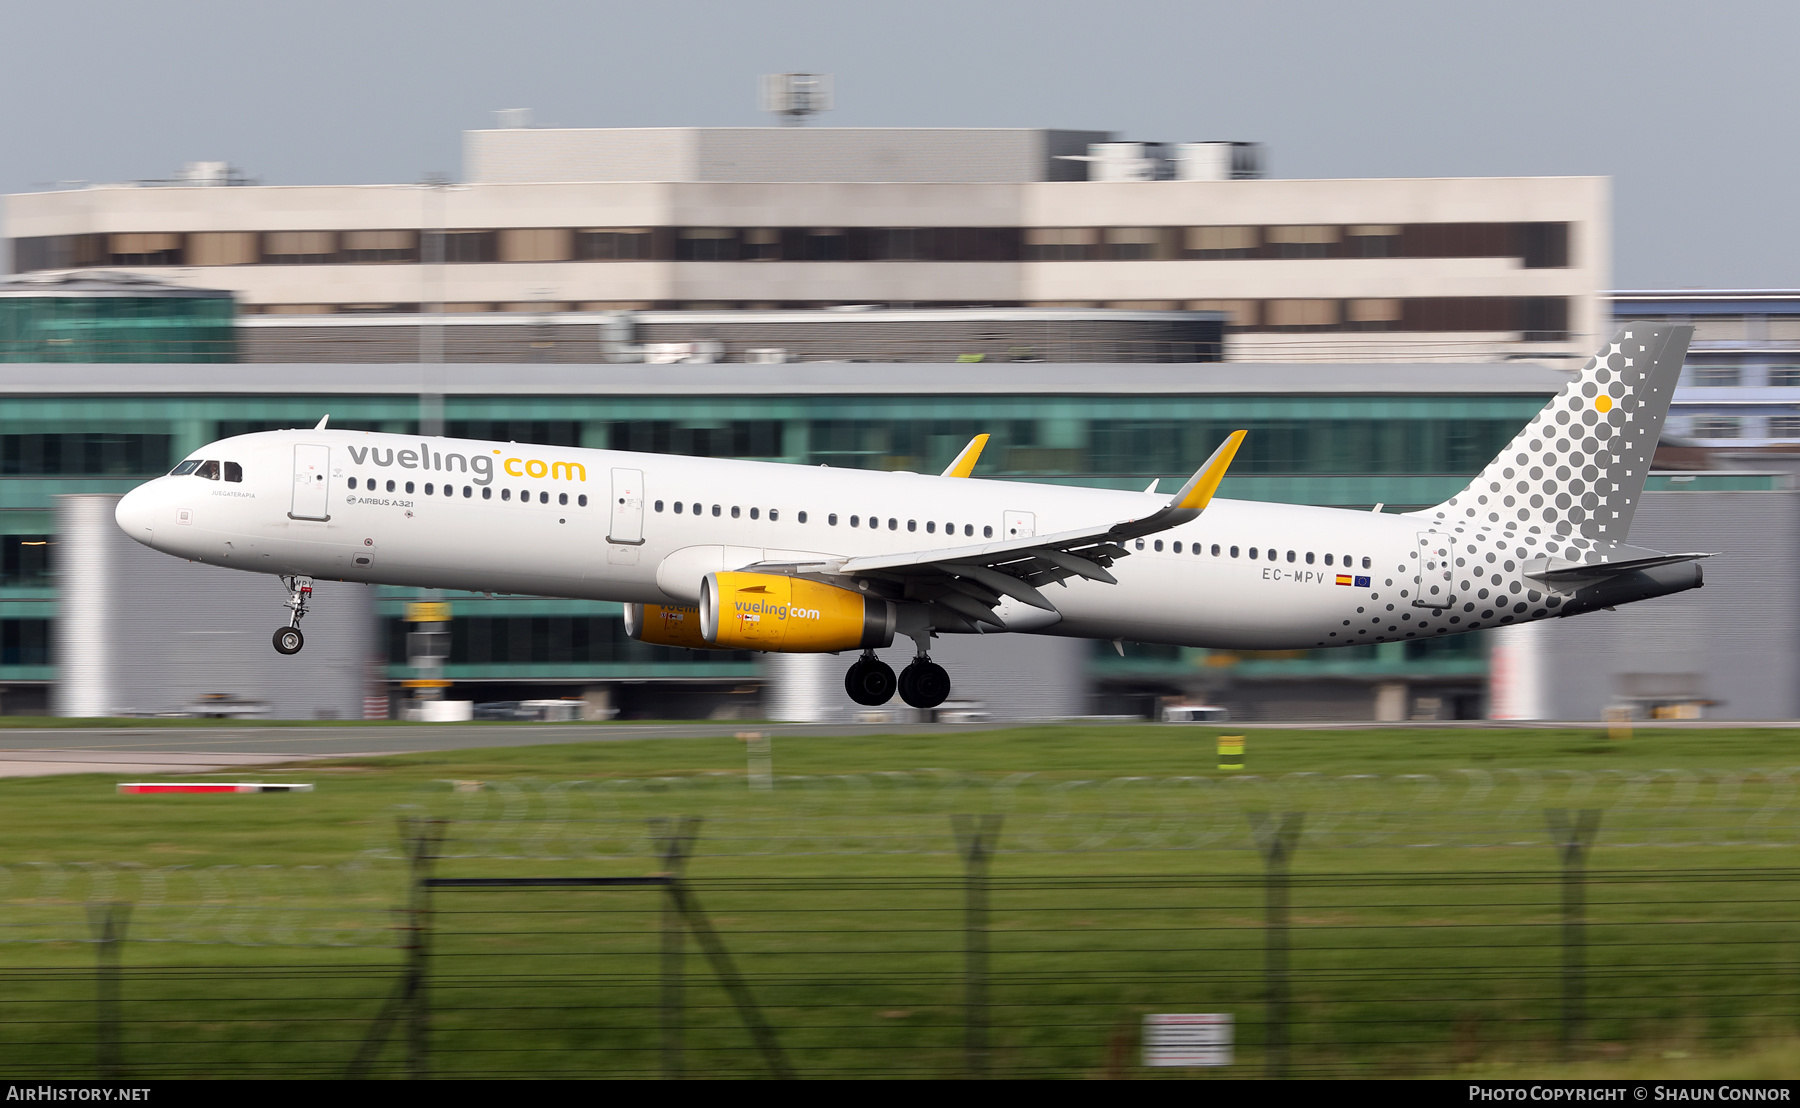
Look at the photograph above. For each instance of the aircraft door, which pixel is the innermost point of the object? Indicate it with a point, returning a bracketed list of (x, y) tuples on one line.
[(1018, 525), (1437, 571), (312, 488), (627, 526)]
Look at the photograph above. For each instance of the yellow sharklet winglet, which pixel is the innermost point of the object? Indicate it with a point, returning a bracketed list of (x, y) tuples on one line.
[(965, 462), (1198, 492)]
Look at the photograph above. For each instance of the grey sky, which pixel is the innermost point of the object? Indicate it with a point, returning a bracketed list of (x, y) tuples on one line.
[(1687, 107)]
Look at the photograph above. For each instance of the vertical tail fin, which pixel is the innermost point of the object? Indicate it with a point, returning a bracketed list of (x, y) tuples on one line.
[(1578, 467)]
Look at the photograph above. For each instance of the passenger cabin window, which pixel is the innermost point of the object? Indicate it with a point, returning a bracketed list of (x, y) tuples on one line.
[(185, 468), (565, 500), (678, 507), (581, 500), (775, 514), (1366, 562), (234, 472), (987, 532)]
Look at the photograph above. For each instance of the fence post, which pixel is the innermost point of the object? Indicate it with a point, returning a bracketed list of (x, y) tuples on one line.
[(1277, 843), (975, 840), (1572, 839), (422, 838), (107, 922), (675, 843)]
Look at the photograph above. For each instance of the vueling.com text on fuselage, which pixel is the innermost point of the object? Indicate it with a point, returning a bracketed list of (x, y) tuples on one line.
[(480, 465)]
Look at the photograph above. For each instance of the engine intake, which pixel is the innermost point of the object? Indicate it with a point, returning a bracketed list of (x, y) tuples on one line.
[(790, 615), (665, 625)]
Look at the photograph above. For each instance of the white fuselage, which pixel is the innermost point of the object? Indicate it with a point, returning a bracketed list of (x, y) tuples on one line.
[(521, 528)]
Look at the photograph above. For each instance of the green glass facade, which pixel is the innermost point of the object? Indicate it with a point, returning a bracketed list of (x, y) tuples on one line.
[(117, 329)]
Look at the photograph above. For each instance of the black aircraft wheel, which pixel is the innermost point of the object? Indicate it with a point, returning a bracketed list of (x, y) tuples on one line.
[(289, 640), (870, 682), (924, 685)]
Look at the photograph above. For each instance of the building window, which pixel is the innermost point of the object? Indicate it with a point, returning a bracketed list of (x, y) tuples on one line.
[(1784, 376), (84, 454), (760, 244), (159, 248), (1222, 242), (1301, 315), (459, 247), (820, 244), (24, 642), (1716, 427), (536, 244), (300, 247), (59, 252), (1372, 240), (1060, 244), (24, 560), (613, 244), (1132, 244), (1714, 375), (381, 246), (1307, 241), (1544, 245), (222, 248), (1784, 427), (1372, 315), (706, 244), (1238, 313)]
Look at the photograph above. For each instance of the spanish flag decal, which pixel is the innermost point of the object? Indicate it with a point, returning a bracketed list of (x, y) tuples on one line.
[(1343, 578)]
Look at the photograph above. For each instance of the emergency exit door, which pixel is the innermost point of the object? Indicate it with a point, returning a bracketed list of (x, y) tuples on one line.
[(1437, 571), (627, 526), (312, 484)]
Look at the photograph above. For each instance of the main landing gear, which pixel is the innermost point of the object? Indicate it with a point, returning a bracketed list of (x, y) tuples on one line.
[(289, 640), (870, 681), (923, 684)]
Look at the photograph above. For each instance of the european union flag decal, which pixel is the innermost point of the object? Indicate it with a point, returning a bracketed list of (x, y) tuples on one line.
[(1362, 582)]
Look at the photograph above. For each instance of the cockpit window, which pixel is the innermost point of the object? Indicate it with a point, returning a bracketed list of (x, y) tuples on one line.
[(234, 472), (208, 470), (185, 468)]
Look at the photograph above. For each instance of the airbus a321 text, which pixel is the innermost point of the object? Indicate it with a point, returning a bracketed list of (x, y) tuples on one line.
[(708, 553)]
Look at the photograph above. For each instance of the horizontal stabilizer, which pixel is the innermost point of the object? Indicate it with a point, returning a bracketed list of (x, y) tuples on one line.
[(1559, 571)]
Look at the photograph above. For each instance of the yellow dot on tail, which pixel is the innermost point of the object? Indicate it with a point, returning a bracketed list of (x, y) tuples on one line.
[(1603, 403)]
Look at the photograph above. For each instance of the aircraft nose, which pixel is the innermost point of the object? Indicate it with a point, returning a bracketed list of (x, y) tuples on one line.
[(136, 513)]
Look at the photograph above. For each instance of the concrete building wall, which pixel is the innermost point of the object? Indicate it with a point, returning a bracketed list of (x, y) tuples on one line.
[(1736, 641), (154, 634)]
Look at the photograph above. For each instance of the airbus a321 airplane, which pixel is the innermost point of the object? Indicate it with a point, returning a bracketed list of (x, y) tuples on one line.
[(735, 555)]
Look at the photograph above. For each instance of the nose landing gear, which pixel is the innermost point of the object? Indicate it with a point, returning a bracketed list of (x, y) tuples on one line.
[(289, 640), (870, 681)]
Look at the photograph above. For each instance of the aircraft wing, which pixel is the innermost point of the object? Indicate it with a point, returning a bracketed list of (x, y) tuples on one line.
[(967, 583)]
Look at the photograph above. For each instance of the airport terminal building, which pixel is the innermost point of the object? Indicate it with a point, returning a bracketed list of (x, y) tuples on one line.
[(556, 221)]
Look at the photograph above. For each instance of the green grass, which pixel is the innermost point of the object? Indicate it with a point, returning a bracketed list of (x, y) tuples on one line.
[(1425, 918)]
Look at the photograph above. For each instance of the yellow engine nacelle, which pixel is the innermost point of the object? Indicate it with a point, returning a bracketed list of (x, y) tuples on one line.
[(665, 625), (790, 615)]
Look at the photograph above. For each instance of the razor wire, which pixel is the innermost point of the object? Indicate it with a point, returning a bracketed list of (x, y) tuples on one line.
[(905, 813)]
